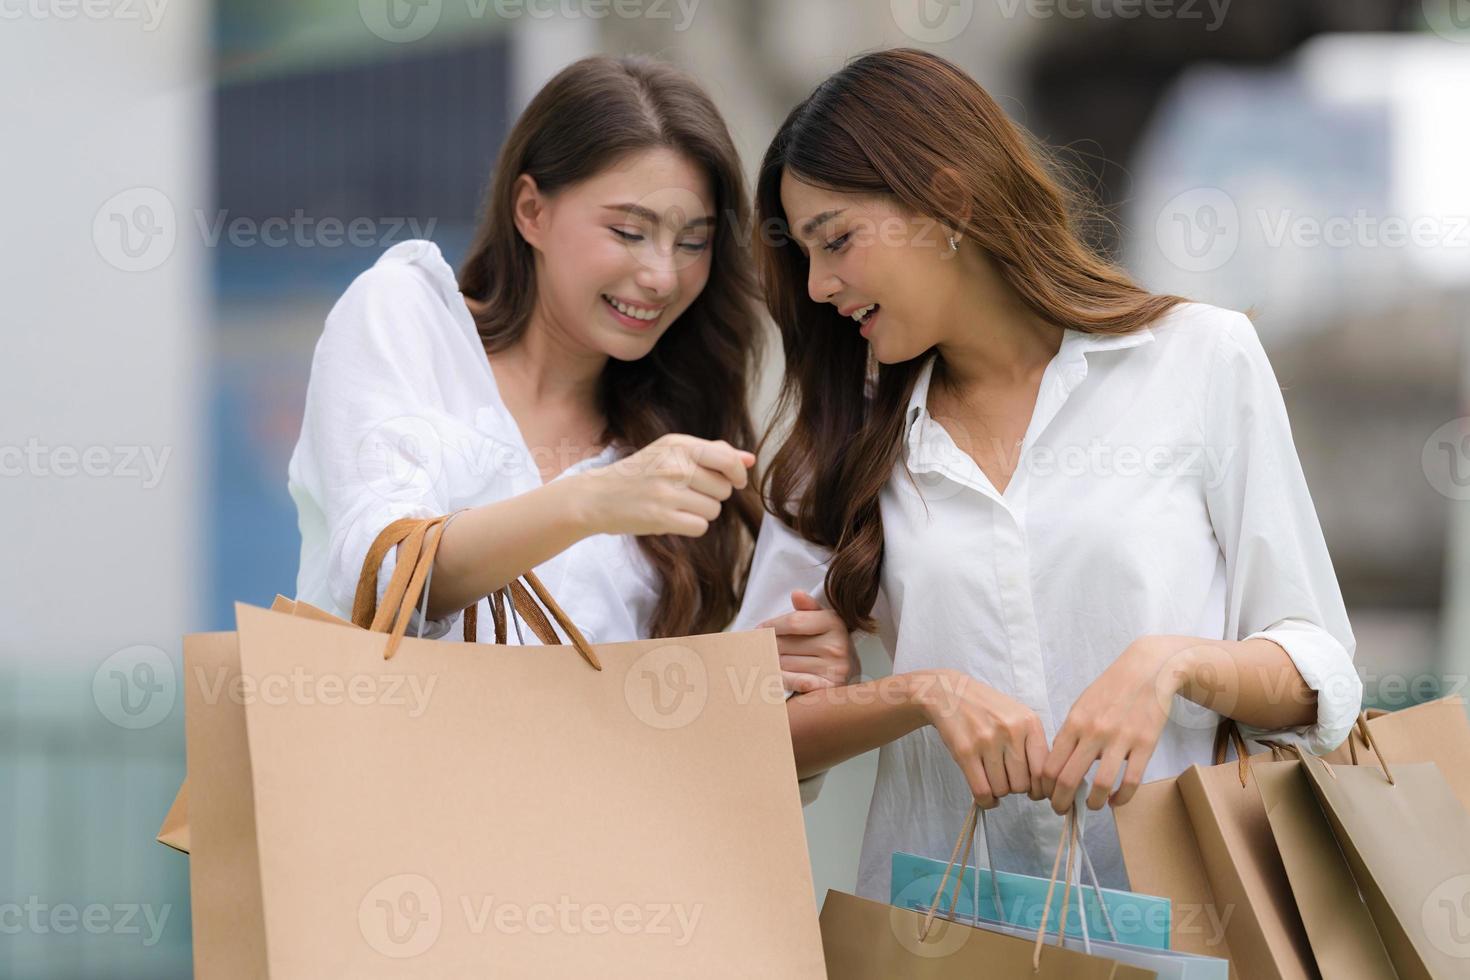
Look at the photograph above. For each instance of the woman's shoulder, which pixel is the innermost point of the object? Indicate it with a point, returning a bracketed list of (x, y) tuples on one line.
[(1193, 322), (406, 301), (411, 272), (1198, 338)]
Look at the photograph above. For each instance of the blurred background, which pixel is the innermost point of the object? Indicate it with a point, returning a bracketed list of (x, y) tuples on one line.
[(189, 186)]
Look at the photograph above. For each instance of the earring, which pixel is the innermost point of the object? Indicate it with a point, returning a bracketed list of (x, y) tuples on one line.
[(954, 246)]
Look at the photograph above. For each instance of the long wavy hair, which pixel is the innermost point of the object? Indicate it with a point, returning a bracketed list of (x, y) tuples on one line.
[(696, 379), (912, 128)]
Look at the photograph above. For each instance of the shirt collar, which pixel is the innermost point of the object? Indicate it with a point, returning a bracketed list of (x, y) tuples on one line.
[(1071, 356)]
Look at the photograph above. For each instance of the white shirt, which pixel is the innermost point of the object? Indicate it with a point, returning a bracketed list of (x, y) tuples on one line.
[(1157, 492), (404, 419)]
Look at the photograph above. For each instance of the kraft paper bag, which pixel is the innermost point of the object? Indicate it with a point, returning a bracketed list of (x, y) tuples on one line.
[(224, 877), (1436, 731), (439, 821), (174, 831), (1339, 925), (379, 806), (1202, 840), (1403, 861)]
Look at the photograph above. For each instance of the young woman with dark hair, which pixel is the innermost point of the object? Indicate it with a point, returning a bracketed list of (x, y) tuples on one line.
[(578, 395), (1071, 507)]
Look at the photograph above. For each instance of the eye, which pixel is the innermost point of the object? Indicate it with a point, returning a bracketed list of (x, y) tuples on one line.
[(694, 248), (835, 245), (627, 236)]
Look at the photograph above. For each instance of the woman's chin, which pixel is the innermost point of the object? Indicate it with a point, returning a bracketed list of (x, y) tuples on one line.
[(627, 347)]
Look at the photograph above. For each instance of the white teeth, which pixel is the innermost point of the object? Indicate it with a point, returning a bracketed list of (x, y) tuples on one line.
[(859, 314), (627, 310)]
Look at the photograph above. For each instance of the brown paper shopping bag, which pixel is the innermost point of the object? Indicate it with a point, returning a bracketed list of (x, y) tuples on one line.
[(426, 809), (1401, 843), (1436, 731), (1202, 840), (867, 940), (1345, 942), (174, 832)]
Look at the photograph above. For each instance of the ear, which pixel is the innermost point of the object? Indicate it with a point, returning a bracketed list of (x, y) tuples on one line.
[(528, 209)]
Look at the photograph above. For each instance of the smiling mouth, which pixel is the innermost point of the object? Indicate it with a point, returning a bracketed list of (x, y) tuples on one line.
[(640, 315), (865, 314)]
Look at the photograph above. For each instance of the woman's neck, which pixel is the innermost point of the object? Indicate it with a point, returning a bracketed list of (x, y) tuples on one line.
[(545, 367), (999, 340)]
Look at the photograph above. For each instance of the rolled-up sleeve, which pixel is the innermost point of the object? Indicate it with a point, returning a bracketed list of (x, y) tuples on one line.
[(1280, 583), (783, 561), (369, 450)]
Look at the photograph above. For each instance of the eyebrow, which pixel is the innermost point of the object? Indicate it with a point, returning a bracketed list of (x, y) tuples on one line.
[(649, 215), (820, 219)]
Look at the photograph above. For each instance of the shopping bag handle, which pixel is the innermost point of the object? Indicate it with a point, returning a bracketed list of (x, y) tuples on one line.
[(1360, 726), (1070, 841), (1229, 734), (417, 540)]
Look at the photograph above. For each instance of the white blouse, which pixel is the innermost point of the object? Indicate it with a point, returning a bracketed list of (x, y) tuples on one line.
[(403, 419), (1157, 491)]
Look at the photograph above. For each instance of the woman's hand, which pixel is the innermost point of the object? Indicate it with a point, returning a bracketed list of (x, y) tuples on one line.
[(998, 742), (1118, 718), (674, 485), (815, 646)]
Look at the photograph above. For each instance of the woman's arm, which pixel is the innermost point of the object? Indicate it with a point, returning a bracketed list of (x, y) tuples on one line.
[(674, 485), (835, 724), (486, 547), (998, 742), (1253, 681), (1120, 717)]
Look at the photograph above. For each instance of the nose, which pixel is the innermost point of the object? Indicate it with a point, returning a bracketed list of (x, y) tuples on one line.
[(657, 274), (821, 285)]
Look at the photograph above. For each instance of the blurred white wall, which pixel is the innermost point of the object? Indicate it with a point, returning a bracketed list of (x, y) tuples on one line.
[(105, 129)]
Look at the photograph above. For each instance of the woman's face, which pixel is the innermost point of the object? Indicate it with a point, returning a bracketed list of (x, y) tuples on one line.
[(621, 254), (864, 252)]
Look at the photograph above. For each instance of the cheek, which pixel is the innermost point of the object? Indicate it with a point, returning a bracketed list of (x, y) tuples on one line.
[(586, 261), (693, 278)]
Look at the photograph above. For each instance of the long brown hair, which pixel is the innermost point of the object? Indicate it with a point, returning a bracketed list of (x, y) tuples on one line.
[(913, 128), (696, 378)]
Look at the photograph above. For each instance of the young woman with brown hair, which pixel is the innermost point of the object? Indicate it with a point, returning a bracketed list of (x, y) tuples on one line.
[(578, 395), (1060, 499)]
